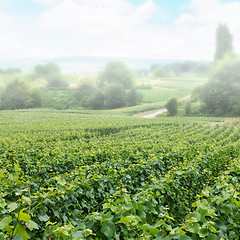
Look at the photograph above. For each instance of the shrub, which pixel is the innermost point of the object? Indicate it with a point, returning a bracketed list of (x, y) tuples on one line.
[(172, 106)]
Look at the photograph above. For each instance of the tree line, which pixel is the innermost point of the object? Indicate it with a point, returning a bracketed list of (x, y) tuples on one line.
[(113, 88)]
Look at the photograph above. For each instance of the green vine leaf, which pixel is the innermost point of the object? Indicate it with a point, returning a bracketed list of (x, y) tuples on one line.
[(108, 229)]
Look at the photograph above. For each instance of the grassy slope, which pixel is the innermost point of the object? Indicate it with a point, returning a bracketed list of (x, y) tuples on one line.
[(87, 118), (159, 161), (165, 88)]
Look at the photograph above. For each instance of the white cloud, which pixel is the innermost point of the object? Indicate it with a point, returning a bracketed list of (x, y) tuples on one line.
[(9, 43), (144, 12), (5, 19), (185, 19), (203, 21), (95, 14), (117, 28), (102, 27), (214, 11), (48, 2)]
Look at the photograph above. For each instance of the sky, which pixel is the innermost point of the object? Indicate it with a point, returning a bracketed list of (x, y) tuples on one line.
[(162, 29)]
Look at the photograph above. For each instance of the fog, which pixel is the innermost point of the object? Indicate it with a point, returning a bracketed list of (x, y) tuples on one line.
[(105, 55)]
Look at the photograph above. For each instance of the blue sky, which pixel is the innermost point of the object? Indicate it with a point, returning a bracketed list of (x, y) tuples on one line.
[(33, 8), (167, 29)]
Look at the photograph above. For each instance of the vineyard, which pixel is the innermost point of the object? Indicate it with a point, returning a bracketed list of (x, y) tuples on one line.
[(67, 175)]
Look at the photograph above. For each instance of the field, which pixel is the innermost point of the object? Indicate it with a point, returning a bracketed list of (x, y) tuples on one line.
[(106, 175), (161, 89)]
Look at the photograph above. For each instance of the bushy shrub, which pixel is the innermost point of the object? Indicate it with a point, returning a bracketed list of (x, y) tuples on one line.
[(172, 106)]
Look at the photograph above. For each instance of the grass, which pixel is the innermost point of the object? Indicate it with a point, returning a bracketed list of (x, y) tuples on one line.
[(160, 90), (139, 109), (91, 117), (161, 94), (181, 85)]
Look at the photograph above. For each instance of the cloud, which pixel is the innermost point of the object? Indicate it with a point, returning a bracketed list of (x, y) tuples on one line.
[(48, 2), (144, 12), (96, 14), (204, 19), (102, 27), (214, 11), (185, 19), (10, 46), (117, 28), (5, 19)]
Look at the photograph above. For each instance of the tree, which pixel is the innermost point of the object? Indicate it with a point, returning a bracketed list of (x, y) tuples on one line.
[(16, 96), (201, 67), (220, 95), (56, 81), (133, 97), (36, 98), (115, 96), (116, 72), (47, 70), (159, 71), (188, 108), (116, 82), (97, 100), (223, 42), (59, 99), (11, 70), (172, 106), (84, 92)]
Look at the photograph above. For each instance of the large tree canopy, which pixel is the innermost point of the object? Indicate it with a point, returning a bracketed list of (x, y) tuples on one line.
[(115, 96), (224, 41), (16, 96), (172, 106), (47, 70), (116, 72), (221, 94)]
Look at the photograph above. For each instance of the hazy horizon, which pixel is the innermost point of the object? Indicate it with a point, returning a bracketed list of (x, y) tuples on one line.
[(84, 64)]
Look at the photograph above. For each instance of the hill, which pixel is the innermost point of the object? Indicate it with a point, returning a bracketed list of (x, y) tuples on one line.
[(76, 175)]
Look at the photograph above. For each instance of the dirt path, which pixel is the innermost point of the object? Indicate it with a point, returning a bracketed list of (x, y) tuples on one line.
[(153, 115)]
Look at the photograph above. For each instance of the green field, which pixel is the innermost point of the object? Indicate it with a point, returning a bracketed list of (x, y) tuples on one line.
[(162, 94), (160, 90), (106, 175)]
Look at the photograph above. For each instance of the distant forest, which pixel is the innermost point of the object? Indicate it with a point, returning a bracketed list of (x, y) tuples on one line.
[(114, 87)]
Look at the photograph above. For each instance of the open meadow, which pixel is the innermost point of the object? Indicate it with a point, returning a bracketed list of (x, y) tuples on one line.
[(161, 89), (107, 175)]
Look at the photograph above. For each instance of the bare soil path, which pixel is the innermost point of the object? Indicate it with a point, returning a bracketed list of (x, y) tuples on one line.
[(153, 115)]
